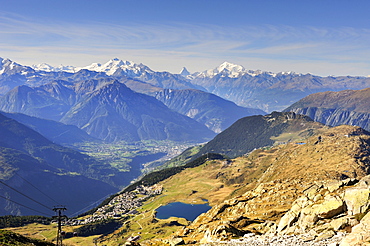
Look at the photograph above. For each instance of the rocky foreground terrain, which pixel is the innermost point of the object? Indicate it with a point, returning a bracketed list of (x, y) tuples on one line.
[(280, 240), (315, 192)]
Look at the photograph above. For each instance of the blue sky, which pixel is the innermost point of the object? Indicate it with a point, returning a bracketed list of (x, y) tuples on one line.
[(323, 37)]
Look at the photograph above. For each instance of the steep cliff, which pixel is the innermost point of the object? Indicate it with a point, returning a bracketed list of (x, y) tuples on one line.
[(349, 107)]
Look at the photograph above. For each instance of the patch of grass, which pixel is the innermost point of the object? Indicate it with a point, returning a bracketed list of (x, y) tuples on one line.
[(35, 233)]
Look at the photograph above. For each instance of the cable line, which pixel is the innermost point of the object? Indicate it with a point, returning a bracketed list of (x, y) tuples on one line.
[(24, 206), (90, 205), (26, 195), (37, 189)]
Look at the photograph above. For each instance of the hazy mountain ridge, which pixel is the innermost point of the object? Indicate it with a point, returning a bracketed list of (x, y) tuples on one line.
[(13, 74), (50, 167), (117, 68), (350, 107), (104, 108), (54, 131), (214, 112)]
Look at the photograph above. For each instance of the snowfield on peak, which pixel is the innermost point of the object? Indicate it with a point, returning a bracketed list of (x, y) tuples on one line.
[(114, 64), (48, 68), (232, 70), (108, 68)]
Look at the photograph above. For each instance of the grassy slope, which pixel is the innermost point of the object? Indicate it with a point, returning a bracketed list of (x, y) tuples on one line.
[(14, 239)]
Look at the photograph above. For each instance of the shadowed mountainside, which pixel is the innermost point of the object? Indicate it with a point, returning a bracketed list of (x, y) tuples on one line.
[(259, 131), (26, 156), (54, 131)]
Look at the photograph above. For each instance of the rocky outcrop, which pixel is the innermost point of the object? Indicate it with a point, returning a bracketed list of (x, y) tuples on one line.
[(315, 191), (322, 211), (314, 207), (340, 209)]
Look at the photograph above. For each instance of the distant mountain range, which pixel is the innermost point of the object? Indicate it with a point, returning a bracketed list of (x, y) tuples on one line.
[(62, 93), (248, 88), (269, 91), (348, 107)]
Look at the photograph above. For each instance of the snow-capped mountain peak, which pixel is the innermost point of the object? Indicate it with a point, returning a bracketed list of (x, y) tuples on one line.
[(115, 64), (225, 69), (7, 65), (48, 68), (184, 72), (43, 67), (232, 68)]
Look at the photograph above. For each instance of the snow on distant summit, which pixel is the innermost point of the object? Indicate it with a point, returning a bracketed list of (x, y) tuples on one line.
[(8, 66), (116, 64), (231, 70), (108, 68), (48, 68), (226, 69), (184, 72)]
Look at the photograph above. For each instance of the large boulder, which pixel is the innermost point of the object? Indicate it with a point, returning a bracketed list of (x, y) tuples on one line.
[(357, 198), (360, 235)]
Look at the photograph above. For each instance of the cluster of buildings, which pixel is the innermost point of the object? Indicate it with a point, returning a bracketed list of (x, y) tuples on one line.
[(123, 204)]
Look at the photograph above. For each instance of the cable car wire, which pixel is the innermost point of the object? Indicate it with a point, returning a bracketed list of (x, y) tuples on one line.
[(90, 205), (25, 195), (37, 189), (25, 206)]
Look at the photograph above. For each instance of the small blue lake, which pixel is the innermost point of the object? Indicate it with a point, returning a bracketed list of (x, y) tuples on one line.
[(182, 210)]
